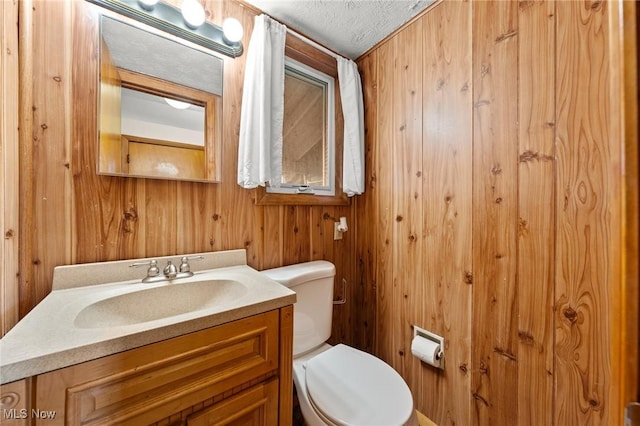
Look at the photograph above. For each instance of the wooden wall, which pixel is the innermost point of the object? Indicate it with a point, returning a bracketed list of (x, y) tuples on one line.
[(494, 192), (72, 215)]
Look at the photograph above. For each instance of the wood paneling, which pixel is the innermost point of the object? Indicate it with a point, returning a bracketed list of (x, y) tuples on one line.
[(447, 170), (536, 212), (495, 217), (72, 215), (588, 213), (521, 203), (9, 161)]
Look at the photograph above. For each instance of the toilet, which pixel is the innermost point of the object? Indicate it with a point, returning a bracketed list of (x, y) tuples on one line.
[(337, 385)]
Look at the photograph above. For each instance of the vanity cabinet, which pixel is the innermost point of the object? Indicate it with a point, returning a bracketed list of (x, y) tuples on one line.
[(234, 373)]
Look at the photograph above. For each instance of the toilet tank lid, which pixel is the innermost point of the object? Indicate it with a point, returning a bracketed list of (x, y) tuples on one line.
[(299, 273)]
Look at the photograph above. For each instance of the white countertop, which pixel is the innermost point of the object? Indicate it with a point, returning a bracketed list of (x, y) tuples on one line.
[(48, 338)]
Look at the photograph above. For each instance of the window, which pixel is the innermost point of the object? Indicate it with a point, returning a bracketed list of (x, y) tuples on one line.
[(308, 146)]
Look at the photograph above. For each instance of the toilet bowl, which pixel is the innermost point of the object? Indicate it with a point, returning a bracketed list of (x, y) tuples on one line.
[(337, 385)]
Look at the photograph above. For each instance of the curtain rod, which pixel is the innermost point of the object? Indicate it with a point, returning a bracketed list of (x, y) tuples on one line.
[(313, 43)]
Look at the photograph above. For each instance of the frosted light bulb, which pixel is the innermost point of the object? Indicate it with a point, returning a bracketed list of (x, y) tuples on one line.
[(232, 29), (147, 4), (193, 13)]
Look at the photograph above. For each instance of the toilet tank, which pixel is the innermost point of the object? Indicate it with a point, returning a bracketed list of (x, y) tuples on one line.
[(312, 312)]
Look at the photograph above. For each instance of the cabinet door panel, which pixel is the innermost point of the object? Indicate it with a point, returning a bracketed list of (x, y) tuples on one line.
[(147, 384), (257, 406)]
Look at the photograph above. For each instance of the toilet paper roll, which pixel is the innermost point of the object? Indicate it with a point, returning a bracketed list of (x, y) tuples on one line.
[(426, 350)]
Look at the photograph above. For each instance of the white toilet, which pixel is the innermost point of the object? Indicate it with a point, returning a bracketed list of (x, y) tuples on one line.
[(337, 385)]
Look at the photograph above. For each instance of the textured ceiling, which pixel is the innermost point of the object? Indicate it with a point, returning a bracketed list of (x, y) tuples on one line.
[(349, 27)]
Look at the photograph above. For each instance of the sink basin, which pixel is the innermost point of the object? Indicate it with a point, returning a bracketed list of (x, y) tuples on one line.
[(157, 303)]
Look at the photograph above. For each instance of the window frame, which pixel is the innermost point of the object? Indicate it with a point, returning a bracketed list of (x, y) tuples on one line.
[(308, 73), (310, 56)]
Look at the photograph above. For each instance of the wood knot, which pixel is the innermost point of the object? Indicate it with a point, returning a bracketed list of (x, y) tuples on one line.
[(463, 367), (468, 277), (571, 315), (326, 216), (36, 261), (496, 170), (399, 218), (499, 200), (401, 352), (9, 234), (57, 79), (412, 238), (130, 215), (526, 338), (44, 126), (215, 217)]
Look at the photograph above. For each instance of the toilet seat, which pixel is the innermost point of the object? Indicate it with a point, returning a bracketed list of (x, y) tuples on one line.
[(351, 387)]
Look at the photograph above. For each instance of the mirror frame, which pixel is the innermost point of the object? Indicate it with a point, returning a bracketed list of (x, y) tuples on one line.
[(213, 104)]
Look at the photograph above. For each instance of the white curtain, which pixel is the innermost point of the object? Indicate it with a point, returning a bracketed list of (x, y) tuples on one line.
[(260, 147), (353, 112)]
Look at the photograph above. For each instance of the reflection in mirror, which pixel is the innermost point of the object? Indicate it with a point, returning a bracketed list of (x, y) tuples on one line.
[(308, 132), (160, 106)]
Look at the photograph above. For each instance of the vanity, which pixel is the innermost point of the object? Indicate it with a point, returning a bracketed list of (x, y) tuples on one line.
[(105, 348)]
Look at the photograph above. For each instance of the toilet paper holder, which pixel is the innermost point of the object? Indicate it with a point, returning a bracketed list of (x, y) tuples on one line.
[(420, 332)]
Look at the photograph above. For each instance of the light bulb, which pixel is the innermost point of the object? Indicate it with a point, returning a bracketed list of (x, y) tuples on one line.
[(232, 29), (147, 4), (193, 13), (177, 104)]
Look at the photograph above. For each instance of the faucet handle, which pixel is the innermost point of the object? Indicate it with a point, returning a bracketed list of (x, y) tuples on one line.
[(184, 262), (170, 271), (153, 270)]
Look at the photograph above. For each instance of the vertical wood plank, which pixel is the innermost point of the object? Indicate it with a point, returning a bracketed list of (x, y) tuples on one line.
[(52, 84), (365, 210), (408, 198), (447, 162), (629, 358), (536, 205), (26, 65), (495, 220), (10, 161), (587, 237), (383, 191)]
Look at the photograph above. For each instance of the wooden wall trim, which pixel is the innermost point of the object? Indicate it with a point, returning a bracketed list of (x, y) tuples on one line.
[(9, 161)]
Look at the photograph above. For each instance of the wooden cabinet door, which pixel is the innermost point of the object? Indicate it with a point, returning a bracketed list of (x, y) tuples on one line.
[(255, 406)]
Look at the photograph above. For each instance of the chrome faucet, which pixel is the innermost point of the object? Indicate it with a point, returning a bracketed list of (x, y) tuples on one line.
[(170, 272)]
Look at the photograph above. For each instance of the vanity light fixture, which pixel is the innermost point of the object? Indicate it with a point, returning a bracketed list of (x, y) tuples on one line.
[(190, 25)]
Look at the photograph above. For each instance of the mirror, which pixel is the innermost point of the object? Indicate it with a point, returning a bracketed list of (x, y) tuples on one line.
[(160, 105)]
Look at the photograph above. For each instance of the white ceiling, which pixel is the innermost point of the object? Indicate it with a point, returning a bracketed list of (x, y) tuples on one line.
[(349, 27)]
